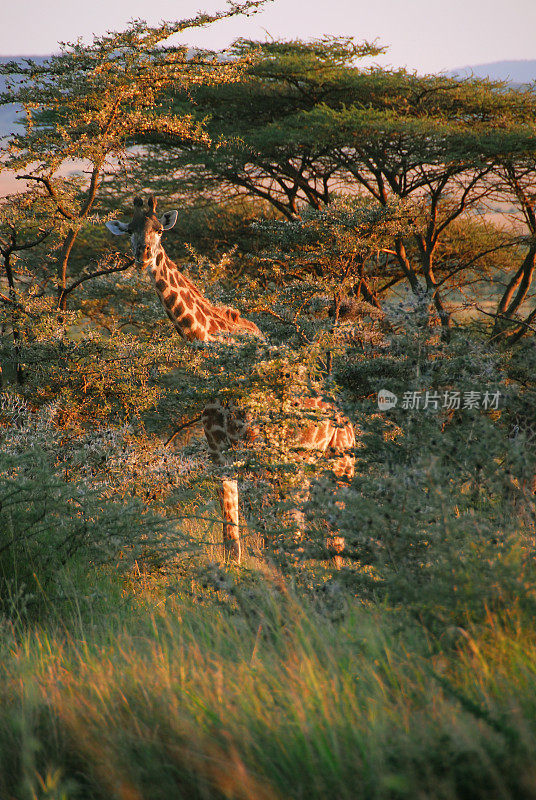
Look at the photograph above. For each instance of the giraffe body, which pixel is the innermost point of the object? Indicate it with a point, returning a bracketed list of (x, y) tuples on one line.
[(196, 318)]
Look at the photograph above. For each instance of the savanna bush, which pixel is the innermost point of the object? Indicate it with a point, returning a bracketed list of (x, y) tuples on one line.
[(75, 500), (440, 516)]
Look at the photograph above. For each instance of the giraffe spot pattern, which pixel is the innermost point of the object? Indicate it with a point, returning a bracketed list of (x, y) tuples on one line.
[(217, 419), (180, 309)]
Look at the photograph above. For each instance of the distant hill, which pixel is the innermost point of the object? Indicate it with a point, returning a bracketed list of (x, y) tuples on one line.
[(516, 72)]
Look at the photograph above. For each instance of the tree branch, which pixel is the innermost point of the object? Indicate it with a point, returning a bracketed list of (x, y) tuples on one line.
[(76, 283), (51, 191)]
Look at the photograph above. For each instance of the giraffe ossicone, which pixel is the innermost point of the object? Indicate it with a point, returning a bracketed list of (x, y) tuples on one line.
[(225, 425)]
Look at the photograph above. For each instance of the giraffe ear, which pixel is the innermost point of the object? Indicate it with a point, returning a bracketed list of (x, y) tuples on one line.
[(116, 227), (169, 219)]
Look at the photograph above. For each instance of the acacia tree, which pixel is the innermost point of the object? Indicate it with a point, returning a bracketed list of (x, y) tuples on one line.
[(84, 106), (415, 142), (306, 123), (249, 154)]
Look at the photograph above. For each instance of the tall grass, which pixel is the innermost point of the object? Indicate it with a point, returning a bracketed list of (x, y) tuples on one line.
[(257, 694)]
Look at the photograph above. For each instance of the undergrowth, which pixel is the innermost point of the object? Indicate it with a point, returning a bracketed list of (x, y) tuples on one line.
[(231, 683)]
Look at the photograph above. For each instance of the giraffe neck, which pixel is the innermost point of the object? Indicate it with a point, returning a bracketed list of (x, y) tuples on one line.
[(193, 316)]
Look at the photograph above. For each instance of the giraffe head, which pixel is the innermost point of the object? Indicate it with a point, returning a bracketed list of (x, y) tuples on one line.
[(145, 230)]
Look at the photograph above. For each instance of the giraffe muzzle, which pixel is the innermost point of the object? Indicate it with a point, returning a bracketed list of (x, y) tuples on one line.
[(142, 257)]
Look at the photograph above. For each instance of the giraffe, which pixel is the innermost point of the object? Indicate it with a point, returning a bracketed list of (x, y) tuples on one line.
[(196, 318)]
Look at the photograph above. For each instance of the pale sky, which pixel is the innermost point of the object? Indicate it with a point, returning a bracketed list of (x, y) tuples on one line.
[(426, 35)]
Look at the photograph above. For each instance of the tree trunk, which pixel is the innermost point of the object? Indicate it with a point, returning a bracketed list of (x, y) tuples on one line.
[(62, 266), (426, 248), (15, 330), (444, 316), (520, 283)]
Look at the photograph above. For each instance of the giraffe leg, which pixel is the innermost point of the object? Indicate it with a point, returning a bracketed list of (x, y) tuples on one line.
[(344, 469), (324, 494), (335, 545), (300, 496), (231, 532)]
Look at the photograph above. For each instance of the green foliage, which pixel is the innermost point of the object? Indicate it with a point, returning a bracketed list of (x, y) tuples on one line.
[(48, 523), (214, 228), (87, 101), (440, 516)]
